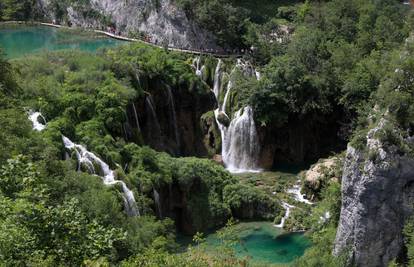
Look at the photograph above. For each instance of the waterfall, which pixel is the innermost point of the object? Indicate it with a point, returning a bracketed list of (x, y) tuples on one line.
[(283, 220), (153, 114), (157, 203), (240, 149), (136, 117), (173, 115), (240, 143), (258, 75), (198, 68), (226, 96), (297, 195), (34, 118), (90, 160), (217, 79)]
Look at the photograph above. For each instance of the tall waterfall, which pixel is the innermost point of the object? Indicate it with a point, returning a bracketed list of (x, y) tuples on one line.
[(89, 160), (153, 115), (173, 115), (136, 117), (240, 143)]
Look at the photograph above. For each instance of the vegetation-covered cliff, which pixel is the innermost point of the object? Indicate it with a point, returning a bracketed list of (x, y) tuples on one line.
[(105, 171)]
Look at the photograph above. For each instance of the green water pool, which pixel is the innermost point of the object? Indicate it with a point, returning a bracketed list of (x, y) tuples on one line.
[(262, 243), (17, 41)]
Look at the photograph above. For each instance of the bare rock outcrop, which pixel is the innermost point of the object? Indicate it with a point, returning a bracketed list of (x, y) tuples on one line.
[(160, 20), (377, 199)]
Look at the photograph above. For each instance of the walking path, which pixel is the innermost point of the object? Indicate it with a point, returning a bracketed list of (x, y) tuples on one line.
[(211, 52)]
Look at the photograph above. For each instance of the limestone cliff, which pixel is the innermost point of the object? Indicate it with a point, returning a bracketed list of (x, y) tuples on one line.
[(160, 20), (377, 198)]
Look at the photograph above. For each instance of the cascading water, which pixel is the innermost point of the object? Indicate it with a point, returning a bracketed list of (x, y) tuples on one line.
[(198, 68), (89, 160), (153, 115), (240, 143), (157, 202), (136, 117), (108, 176), (240, 146), (297, 195), (287, 207), (173, 115), (34, 118), (217, 79)]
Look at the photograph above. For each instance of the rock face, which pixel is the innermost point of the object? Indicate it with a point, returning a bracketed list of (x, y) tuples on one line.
[(169, 119), (377, 197), (160, 20), (300, 142)]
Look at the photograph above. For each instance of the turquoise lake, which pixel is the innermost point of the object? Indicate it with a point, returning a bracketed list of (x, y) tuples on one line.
[(17, 41), (262, 243)]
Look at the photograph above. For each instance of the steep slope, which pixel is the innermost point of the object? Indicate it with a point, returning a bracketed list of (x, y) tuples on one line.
[(377, 197), (160, 21)]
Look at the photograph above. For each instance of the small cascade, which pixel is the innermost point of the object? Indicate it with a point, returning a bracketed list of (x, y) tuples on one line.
[(173, 115), (90, 160), (325, 217), (240, 142), (34, 117), (217, 79), (157, 202), (136, 117), (287, 207), (297, 195), (258, 75), (197, 66)]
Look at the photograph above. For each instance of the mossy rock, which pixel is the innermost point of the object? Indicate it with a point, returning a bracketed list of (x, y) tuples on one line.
[(223, 119)]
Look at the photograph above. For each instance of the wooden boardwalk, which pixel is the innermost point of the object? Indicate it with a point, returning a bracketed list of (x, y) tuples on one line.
[(123, 38)]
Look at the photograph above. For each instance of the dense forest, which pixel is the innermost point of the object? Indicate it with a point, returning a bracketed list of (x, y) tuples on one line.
[(343, 66)]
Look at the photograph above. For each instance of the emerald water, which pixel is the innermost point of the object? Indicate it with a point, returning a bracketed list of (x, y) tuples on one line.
[(263, 243), (17, 41)]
